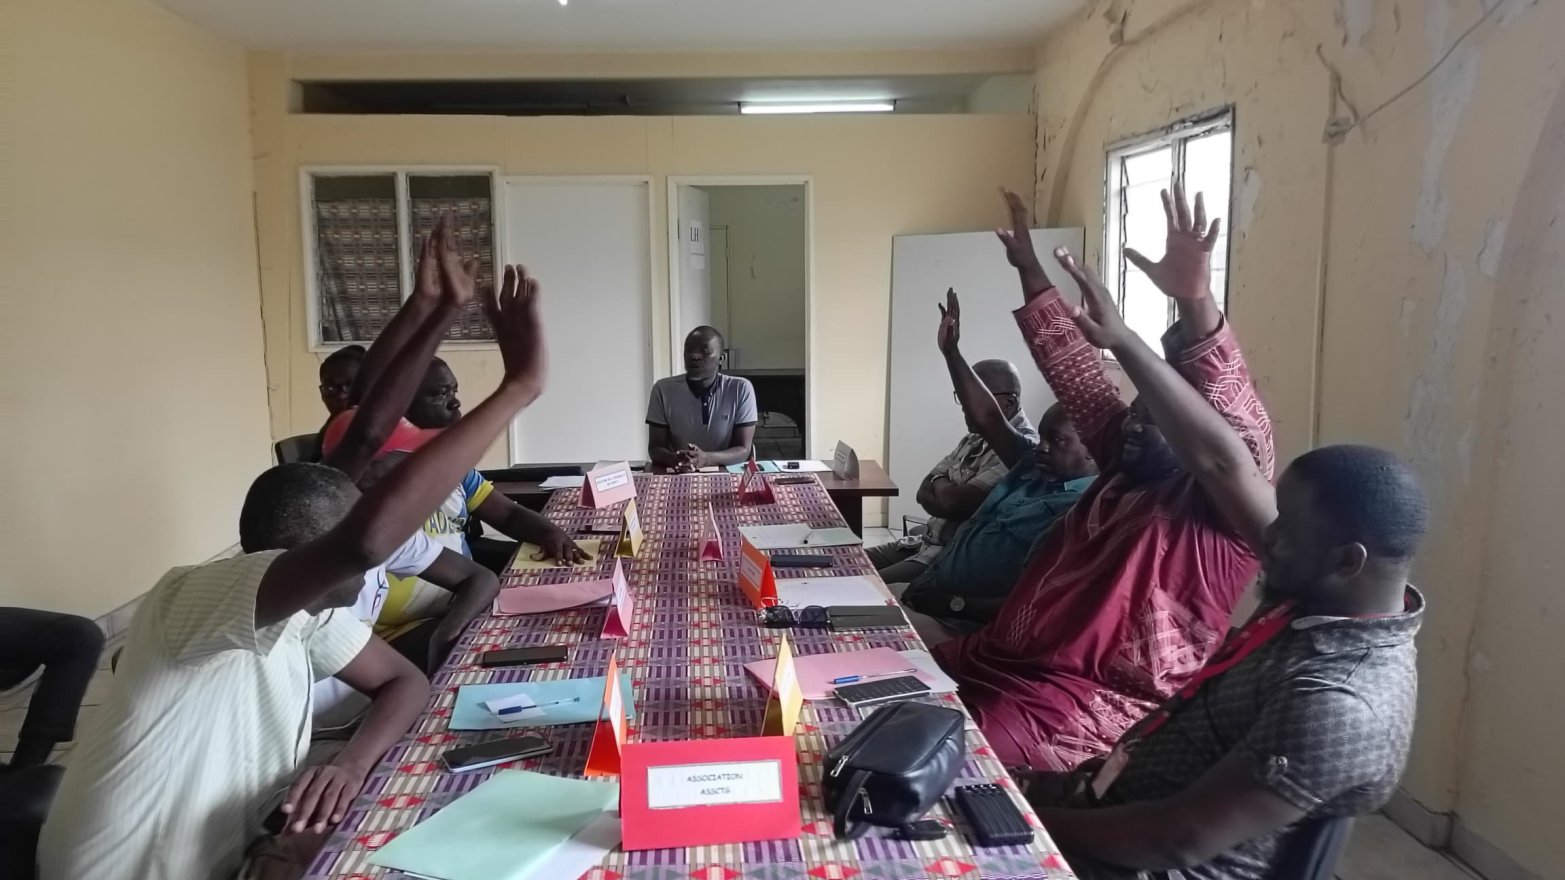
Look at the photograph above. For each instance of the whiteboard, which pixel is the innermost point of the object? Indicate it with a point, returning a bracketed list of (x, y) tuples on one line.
[(589, 242), (924, 422)]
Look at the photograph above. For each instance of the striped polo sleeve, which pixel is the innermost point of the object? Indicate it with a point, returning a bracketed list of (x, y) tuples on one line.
[(208, 609), (334, 639)]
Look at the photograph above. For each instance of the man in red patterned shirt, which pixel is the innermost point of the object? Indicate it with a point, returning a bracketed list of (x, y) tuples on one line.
[(1128, 594)]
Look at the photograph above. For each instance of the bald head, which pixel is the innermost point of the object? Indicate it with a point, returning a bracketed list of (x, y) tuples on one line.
[(1000, 377)]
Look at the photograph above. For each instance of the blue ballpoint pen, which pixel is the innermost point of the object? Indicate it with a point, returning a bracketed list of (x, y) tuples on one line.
[(851, 679)]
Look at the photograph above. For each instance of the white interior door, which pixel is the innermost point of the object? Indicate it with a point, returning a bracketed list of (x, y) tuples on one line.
[(925, 422), (589, 243)]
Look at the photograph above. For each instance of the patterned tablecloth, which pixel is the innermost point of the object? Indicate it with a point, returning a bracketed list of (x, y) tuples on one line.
[(692, 633)]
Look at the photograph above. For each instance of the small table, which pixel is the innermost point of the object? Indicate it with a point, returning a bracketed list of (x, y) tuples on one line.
[(848, 495)]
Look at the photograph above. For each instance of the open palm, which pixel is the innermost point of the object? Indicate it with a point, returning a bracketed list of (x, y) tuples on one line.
[(1185, 272)]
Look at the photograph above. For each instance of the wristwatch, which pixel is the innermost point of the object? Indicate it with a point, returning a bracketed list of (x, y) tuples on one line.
[(957, 603)]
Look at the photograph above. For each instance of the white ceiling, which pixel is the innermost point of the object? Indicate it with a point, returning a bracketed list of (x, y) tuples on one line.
[(626, 25)]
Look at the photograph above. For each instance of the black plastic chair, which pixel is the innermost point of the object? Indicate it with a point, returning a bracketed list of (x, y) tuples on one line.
[(25, 795), (1311, 852), (297, 448)]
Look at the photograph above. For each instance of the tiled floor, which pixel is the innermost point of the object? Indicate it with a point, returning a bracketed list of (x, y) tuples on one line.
[(1379, 850)]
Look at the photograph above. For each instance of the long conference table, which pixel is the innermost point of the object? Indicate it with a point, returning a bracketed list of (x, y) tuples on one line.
[(691, 634)]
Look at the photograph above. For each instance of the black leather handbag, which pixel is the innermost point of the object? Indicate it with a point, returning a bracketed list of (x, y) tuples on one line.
[(893, 767)]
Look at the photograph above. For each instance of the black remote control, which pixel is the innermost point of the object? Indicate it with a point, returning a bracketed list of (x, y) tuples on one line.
[(992, 815)]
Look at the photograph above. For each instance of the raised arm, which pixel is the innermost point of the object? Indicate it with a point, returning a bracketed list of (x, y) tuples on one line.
[(1200, 346), (977, 402), (399, 504), (445, 280), (1071, 365), (401, 330), (1206, 444)]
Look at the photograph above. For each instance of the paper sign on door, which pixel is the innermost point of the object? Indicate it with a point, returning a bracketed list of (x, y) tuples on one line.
[(782, 707), (755, 575), (711, 539), (753, 488), (630, 536), (684, 793), (845, 462), (607, 484), (608, 739), (617, 624)]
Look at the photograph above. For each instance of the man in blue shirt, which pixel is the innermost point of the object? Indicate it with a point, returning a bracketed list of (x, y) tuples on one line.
[(966, 584)]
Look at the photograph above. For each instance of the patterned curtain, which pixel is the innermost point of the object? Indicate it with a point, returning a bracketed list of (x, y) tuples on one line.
[(475, 237), (356, 267)]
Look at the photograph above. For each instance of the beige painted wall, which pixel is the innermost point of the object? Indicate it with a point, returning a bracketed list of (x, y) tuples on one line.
[(874, 178), (136, 412), (768, 265), (1382, 254)]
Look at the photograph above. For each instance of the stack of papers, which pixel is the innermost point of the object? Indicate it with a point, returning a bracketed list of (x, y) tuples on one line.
[(552, 597), (564, 482), (796, 535), (803, 592), (817, 671), (562, 701), (803, 467), (515, 826)]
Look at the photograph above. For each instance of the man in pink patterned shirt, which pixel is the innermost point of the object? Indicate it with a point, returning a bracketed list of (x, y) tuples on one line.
[(1125, 598)]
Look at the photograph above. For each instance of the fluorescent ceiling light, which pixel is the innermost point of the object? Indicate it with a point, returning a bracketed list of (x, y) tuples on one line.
[(752, 108)]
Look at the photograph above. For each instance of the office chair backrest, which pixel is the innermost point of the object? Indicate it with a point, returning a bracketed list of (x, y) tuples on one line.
[(298, 448)]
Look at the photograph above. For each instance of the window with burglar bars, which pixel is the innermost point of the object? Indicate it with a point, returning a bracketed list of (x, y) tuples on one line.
[(362, 242), (1198, 151)]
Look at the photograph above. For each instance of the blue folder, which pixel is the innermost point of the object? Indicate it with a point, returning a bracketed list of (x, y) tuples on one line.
[(469, 713)]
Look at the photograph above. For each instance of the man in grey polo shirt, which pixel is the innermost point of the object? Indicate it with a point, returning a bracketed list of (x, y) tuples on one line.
[(703, 418)]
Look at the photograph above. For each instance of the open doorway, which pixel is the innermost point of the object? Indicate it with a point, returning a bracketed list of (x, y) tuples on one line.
[(739, 261)]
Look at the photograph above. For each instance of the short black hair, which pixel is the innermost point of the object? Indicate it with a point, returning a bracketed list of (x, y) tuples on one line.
[(291, 504), (354, 353), (1054, 415), (706, 332), (1371, 496)]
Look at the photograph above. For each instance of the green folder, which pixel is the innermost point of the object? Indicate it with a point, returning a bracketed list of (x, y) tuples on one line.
[(501, 830)]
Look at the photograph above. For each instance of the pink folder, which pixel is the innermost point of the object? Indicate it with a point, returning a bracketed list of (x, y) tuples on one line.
[(551, 597), (817, 670)]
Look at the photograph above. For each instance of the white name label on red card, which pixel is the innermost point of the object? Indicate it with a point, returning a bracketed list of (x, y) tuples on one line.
[(710, 785), (611, 480), (749, 569)]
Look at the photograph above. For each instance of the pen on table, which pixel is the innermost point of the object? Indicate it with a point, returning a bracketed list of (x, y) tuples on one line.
[(850, 679), (511, 710)]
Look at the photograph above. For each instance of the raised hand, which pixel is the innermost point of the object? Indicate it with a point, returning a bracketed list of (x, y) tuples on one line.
[(1018, 247), (1185, 272), (950, 332), (426, 279), (458, 276), (1097, 316), (513, 313)]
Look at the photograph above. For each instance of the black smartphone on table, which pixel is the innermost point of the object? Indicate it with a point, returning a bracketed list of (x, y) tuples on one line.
[(841, 617), (525, 656), (500, 751)]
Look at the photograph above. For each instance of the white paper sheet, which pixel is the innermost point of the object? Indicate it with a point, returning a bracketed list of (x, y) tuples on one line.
[(795, 536), (802, 466), (930, 672), (583, 852), (564, 482), (800, 592)]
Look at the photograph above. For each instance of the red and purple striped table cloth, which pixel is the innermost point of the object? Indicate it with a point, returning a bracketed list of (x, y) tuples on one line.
[(692, 633)]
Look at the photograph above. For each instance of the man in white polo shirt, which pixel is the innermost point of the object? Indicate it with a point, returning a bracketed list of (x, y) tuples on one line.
[(703, 418)]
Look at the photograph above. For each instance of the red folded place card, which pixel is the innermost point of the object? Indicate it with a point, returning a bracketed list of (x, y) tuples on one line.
[(608, 738), (608, 483), (706, 792), (617, 624), (755, 575), (753, 488), (711, 540)]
